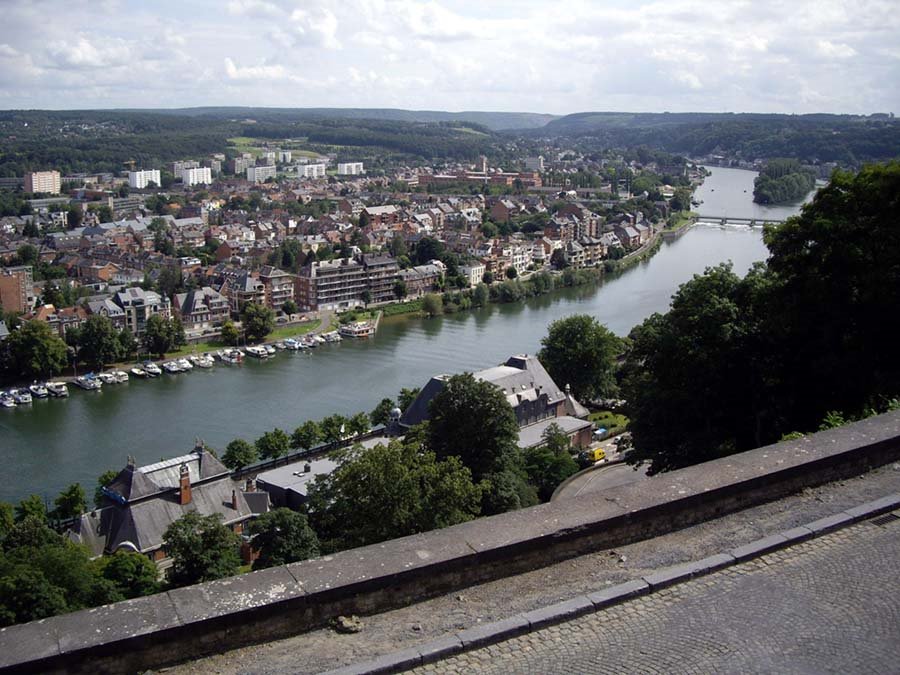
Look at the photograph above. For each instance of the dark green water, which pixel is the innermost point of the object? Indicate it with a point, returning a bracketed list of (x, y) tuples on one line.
[(53, 443)]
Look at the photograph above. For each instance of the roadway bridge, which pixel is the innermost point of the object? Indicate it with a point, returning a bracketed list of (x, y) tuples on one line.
[(752, 222)]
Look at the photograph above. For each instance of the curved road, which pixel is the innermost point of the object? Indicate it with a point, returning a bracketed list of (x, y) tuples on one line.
[(828, 605), (600, 478)]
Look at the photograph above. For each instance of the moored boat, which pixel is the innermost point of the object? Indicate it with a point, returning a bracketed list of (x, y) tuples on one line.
[(120, 376), (270, 350), (106, 378), (88, 382), (21, 396), (257, 352), (6, 400), (152, 369), (137, 371), (171, 367), (205, 361), (38, 390), (58, 389), (185, 365), (358, 329)]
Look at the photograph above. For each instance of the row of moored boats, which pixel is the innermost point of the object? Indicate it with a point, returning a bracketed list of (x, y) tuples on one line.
[(149, 369)]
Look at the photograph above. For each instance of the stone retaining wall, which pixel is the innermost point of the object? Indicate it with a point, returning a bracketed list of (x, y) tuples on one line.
[(271, 604)]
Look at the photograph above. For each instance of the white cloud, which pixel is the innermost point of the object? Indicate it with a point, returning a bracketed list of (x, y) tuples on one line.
[(832, 50), (261, 72)]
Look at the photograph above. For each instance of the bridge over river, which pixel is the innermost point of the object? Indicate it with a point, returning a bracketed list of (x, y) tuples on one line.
[(752, 222)]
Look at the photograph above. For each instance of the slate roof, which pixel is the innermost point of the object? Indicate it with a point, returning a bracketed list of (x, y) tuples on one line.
[(533, 434)]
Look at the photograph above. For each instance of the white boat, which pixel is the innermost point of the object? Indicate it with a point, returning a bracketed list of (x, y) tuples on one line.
[(106, 378), (331, 336), (21, 396), (291, 344), (121, 376), (358, 329), (279, 346), (185, 365), (38, 390), (171, 367), (231, 355), (318, 339), (7, 401), (205, 361), (270, 350), (152, 369), (88, 382), (58, 389), (257, 352), (137, 371)]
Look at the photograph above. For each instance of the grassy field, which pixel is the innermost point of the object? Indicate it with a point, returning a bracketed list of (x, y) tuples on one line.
[(614, 423), (277, 334), (681, 218)]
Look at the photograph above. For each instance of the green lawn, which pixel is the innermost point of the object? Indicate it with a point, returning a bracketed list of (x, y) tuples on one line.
[(614, 423), (680, 218)]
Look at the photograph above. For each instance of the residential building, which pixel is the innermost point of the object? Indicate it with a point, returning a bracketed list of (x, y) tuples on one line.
[(534, 163), (201, 308), (106, 307), (177, 168), (141, 179), (239, 165), (474, 273), (284, 156), (381, 275), (350, 168), (17, 289), (242, 289), (196, 176), (535, 398), (311, 170), (382, 215), (43, 181), (141, 502), (421, 279), (259, 174), (279, 286), (59, 320), (288, 485), (331, 284), (139, 305)]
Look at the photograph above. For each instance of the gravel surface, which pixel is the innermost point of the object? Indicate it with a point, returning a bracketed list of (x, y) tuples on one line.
[(394, 630)]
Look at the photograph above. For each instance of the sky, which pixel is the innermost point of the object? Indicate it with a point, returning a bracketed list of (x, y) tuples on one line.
[(791, 56)]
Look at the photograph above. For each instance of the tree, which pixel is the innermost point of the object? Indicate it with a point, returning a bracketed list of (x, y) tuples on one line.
[(7, 520), (407, 396), (36, 350), (333, 428), (550, 463), (558, 259), (238, 454), (289, 307), (390, 491), (282, 536), (99, 341), (27, 254), (230, 334), (170, 280), (103, 480), (487, 278), (158, 335), (26, 595), (201, 548), (511, 272), (366, 297), (471, 419), (358, 424), (273, 444), (70, 503), (400, 290), (480, 295), (382, 412), (582, 353), (127, 343), (428, 249), (133, 575), (258, 321), (432, 304), (31, 507), (306, 436)]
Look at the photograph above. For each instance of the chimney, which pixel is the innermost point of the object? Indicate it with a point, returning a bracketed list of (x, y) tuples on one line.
[(234, 503), (184, 485), (249, 485)]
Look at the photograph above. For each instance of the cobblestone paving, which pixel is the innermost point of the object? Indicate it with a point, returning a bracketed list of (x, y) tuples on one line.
[(831, 604)]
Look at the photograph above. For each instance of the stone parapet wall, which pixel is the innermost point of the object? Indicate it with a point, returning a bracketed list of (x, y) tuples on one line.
[(263, 606)]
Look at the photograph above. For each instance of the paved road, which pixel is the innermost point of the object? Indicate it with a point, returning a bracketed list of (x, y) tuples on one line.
[(601, 478), (829, 605)]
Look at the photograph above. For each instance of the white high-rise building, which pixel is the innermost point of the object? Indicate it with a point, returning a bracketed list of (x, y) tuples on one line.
[(311, 171), (350, 168), (140, 179), (259, 174), (534, 163), (196, 176), (284, 156), (43, 181)]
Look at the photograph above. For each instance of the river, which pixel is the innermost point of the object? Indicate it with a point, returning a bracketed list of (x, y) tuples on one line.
[(53, 443)]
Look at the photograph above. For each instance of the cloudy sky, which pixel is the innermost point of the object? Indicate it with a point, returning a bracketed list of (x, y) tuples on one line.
[(522, 55)]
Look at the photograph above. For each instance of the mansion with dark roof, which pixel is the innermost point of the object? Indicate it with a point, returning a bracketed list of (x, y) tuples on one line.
[(535, 398), (141, 503)]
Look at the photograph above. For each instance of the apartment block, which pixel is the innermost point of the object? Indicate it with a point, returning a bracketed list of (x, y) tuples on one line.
[(350, 169), (311, 171), (259, 174), (17, 289), (196, 176), (43, 181), (342, 284), (141, 179)]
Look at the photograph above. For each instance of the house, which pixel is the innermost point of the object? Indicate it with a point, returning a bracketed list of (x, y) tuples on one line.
[(106, 307), (279, 286), (628, 235), (287, 486), (141, 502), (421, 279), (139, 305), (242, 288), (536, 400), (474, 273), (201, 308), (504, 210), (59, 320)]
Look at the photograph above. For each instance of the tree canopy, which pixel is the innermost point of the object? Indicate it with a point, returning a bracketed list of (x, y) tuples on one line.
[(258, 321), (282, 536), (201, 548), (581, 352)]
